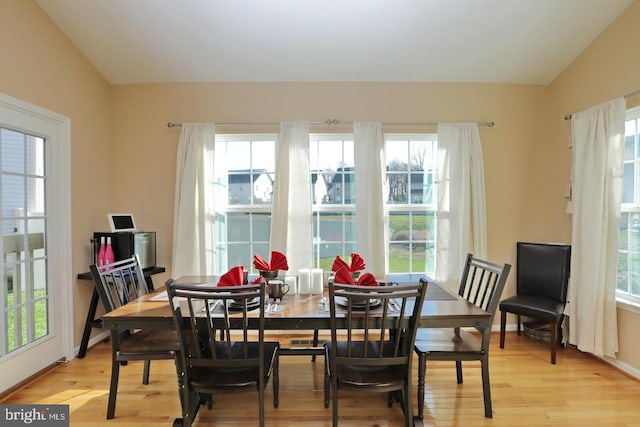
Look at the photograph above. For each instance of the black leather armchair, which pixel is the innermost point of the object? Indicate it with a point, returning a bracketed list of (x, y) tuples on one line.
[(542, 278)]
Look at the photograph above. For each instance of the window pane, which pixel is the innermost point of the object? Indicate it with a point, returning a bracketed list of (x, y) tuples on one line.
[(628, 180), (12, 151)]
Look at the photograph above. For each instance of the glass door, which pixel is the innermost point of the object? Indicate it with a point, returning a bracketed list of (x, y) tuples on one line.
[(35, 295)]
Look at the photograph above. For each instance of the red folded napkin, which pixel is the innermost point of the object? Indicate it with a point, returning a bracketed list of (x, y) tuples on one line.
[(260, 263), (278, 262), (357, 263), (368, 279), (339, 263), (233, 277), (343, 276)]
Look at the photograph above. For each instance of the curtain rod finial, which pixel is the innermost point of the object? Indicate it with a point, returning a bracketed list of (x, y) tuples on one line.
[(567, 116), (491, 124)]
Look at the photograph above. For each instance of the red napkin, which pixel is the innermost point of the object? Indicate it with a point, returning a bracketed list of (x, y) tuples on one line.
[(260, 263), (339, 263), (357, 263), (233, 277), (278, 262), (343, 276), (368, 279)]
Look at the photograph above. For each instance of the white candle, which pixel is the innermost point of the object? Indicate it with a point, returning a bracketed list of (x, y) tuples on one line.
[(304, 281), (291, 281), (316, 281)]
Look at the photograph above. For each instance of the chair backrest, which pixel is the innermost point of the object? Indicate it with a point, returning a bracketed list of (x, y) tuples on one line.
[(482, 283), (371, 313), (119, 283), (201, 311), (543, 270)]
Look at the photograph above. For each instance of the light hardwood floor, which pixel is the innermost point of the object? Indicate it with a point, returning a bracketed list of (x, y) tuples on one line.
[(527, 391)]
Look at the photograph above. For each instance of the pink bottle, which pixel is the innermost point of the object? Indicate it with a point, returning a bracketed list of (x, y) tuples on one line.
[(101, 252), (108, 253)]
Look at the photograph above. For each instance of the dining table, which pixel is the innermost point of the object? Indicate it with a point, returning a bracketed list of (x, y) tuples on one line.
[(442, 308)]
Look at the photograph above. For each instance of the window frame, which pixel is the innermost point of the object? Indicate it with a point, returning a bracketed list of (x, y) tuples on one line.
[(625, 299)]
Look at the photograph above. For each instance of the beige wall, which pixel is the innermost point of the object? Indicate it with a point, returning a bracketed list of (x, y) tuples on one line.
[(142, 111), (41, 66), (123, 155)]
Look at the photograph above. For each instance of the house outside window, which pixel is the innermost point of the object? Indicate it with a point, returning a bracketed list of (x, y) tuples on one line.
[(628, 282)]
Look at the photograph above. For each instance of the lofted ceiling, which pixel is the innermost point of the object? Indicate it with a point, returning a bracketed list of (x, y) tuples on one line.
[(496, 41)]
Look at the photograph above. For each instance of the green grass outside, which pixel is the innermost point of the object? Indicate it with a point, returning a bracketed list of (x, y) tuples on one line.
[(40, 318)]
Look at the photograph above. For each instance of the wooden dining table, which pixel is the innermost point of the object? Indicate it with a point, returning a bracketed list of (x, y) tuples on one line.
[(442, 308)]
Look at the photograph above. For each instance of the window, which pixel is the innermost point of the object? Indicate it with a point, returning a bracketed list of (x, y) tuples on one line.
[(411, 172), (245, 175), (333, 197), (628, 282)]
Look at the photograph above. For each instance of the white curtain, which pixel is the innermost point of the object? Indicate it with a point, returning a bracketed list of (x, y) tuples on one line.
[(461, 217), (370, 175), (598, 143), (193, 232), (291, 220)]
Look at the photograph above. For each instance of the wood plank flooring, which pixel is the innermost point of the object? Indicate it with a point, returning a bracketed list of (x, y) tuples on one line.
[(527, 391)]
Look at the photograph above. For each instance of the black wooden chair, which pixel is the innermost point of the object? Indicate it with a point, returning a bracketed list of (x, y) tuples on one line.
[(375, 357), (542, 279), (117, 284), (481, 284), (232, 360)]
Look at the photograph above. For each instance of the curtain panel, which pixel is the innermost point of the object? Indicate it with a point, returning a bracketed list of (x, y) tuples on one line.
[(461, 216), (291, 218), (193, 215), (598, 144), (371, 215)]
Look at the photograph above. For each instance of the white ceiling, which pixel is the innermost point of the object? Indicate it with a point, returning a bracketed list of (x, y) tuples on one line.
[(501, 41)]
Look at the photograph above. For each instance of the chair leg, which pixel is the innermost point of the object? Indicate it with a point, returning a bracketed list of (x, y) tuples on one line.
[(503, 324), (554, 342), (486, 388), (315, 343), (261, 401), (327, 383), (113, 389), (334, 414), (459, 371), (406, 403), (422, 369), (276, 382), (145, 372), (518, 323)]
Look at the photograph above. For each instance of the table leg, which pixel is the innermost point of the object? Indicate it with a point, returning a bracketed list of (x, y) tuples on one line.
[(93, 305)]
